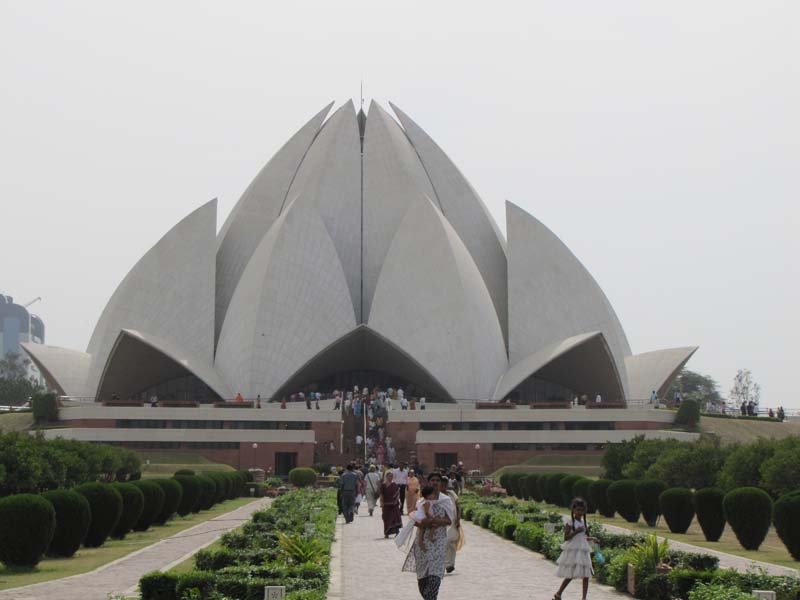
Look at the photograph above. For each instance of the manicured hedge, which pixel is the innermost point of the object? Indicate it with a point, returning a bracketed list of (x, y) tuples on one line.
[(565, 487), (173, 492), (580, 489), (185, 472), (73, 517), (302, 477), (106, 505), (190, 497), (622, 498), (709, 511), (153, 503), (27, 525), (553, 491), (598, 495), (749, 512), (158, 586), (677, 507), (208, 493), (647, 494), (219, 485), (531, 484), (786, 516), (688, 414), (514, 487), (132, 507)]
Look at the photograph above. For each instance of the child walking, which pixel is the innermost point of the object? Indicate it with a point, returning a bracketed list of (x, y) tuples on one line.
[(575, 561), (422, 512)]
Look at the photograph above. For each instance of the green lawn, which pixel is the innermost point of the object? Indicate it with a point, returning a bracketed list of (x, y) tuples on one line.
[(166, 463), (579, 464), (88, 559), (15, 421), (733, 431), (771, 551)]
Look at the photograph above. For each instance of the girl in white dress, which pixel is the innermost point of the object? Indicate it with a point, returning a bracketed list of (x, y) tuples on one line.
[(575, 561)]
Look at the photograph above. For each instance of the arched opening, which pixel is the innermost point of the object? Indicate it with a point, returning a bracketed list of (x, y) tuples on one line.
[(137, 369), (585, 370), (367, 359)]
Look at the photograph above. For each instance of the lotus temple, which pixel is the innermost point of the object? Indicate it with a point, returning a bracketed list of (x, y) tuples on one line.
[(359, 257)]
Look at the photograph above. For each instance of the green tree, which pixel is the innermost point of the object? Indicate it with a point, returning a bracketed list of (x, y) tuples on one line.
[(694, 386), (618, 455), (690, 465), (14, 366), (14, 392), (645, 455), (780, 474), (742, 466)]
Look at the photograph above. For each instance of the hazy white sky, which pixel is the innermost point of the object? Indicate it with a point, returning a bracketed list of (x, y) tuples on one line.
[(660, 141)]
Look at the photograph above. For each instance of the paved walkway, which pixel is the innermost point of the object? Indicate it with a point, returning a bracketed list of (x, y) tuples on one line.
[(487, 568), (122, 575)]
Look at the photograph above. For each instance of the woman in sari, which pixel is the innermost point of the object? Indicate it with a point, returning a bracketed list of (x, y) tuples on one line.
[(390, 504), (428, 563), (412, 493)]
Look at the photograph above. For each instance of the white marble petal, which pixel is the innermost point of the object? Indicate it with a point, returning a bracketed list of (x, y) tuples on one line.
[(64, 370), (655, 370), (431, 301), (169, 293), (256, 210), (466, 212), (551, 295), (291, 302)]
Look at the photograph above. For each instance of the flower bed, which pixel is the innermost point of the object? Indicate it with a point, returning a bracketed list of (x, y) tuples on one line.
[(682, 575), (288, 544)]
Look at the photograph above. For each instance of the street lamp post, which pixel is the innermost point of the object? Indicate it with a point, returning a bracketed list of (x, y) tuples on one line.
[(255, 446), (477, 456)]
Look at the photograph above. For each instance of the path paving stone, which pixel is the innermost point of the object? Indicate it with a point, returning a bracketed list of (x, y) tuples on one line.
[(122, 576), (487, 568)]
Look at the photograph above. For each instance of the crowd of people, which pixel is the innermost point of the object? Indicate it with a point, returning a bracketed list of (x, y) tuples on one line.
[(432, 533)]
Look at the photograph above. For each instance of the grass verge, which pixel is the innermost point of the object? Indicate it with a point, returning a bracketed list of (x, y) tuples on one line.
[(88, 559)]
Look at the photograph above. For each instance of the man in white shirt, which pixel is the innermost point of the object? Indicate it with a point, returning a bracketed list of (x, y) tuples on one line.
[(401, 479), (403, 403), (598, 399), (422, 403)]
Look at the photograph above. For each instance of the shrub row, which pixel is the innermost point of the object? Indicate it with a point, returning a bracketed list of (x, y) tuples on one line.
[(693, 576), (287, 544), (58, 522), (748, 510)]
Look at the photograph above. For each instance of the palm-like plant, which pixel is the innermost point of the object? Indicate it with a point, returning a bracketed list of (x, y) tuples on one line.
[(648, 555), (298, 549)]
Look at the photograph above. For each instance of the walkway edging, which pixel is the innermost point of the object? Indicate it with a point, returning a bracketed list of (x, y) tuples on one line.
[(335, 585)]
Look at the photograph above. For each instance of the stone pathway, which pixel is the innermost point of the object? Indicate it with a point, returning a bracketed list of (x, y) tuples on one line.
[(487, 568), (122, 575)]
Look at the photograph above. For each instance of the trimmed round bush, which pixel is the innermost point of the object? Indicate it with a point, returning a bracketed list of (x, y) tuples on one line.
[(190, 485), (302, 477), (173, 492), (531, 483), (132, 507), (73, 517), (105, 502), (240, 479), (710, 515), (648, 492), (677, 506), (544, 479), (786, 517), (208, 493), (503, 479), (749, 512), (514, 482), (153, 502), (227, 484), (565, 486), (622, 498), (219, 485), (185, 472), (553, 491), (27, 524), (598, 495), (580, 489)]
